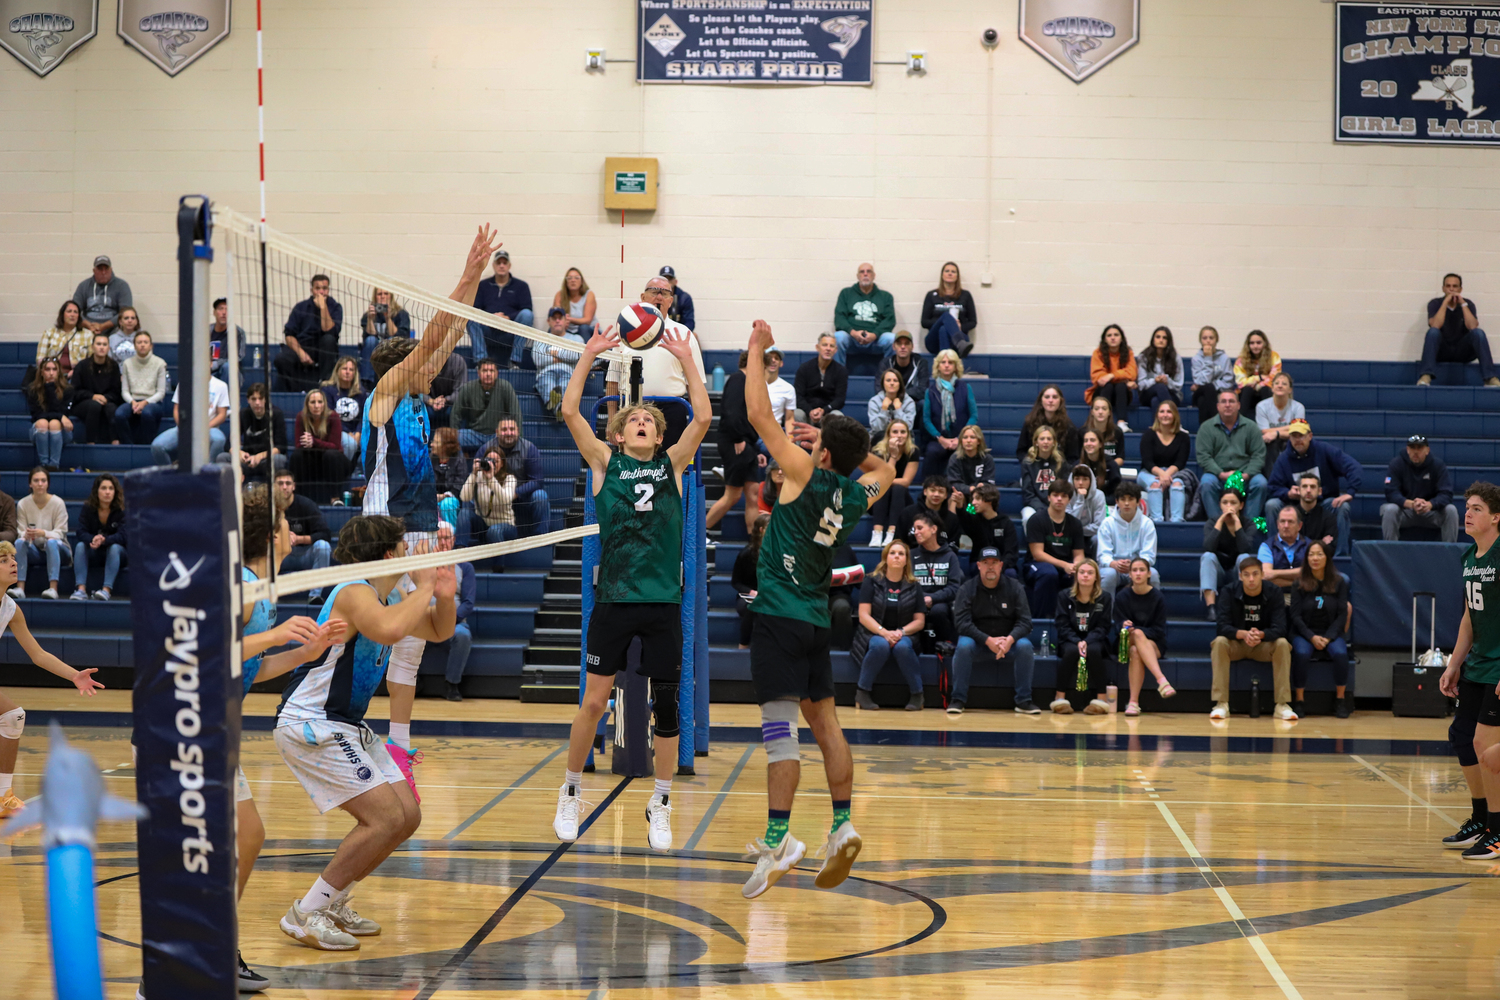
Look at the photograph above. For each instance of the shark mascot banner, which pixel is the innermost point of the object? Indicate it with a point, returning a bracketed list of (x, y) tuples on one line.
[(173, 33), (42, 33), (754, 41)]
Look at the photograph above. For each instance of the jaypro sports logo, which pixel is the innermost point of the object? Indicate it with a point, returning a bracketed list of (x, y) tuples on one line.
[(41, 33), (1080, 36), (173, 33)]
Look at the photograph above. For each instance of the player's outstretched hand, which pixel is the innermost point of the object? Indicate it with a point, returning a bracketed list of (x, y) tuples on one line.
[(299, 629), (486, 242), (761, 339), (324, 635), (85, 683), (804, 434), (604, 339), (445, 582), (680, 348)]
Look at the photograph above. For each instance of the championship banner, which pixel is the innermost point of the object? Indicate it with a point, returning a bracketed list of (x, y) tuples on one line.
[(173, 33), (1417, 74), (41, 33), (754, 41)]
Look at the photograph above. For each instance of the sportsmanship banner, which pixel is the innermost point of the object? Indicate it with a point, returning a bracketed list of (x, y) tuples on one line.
[(1428, 74), (754, 41)]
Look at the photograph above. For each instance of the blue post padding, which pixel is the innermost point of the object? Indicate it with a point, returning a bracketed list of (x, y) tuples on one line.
[(74, 923), (699, 715), (692, 584), (589, 563)]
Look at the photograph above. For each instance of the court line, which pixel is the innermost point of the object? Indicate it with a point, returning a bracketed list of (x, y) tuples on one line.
[(1406, 791), (1246, 926), (492, 803), (713, 808), (469, 946)]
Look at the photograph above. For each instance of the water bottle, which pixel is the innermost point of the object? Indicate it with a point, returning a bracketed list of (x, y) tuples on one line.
[(1081, 683), (718, 378), (255, 358), (1254, 697), (1112, 698)]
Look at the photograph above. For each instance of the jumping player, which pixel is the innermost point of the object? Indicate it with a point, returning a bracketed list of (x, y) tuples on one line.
[(818, 507), (639, 502), (398, 468), (322, 736)]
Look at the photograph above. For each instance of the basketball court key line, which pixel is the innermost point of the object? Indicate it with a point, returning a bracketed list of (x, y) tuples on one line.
[(713, 808), (1405, 791), (492, 803)]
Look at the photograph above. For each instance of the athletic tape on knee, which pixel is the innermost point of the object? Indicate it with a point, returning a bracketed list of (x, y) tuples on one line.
[(778, 730), (1460, 734), (666, 709), (12, 723)]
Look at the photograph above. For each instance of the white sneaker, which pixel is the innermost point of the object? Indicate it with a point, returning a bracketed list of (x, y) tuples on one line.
[(315, 930), (771, 863), (659, 818), (18, 592), (1221, 711), (890, 536), (838, 856), (565, 823), (1096, 707), (1062, 706), (350, 922), (1285, 714), (1124, 427), (50, 593)]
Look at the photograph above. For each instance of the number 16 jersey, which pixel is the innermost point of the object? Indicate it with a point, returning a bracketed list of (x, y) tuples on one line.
[(640, 532), (1482, 596), (796, 556)]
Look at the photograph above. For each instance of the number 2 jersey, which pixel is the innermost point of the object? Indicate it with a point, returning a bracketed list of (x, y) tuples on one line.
[(1482, 595), (796, 555), (640, 532)]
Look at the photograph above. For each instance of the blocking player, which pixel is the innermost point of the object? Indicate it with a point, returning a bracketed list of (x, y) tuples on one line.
[(398, 468), (637, 494), (1473, 677), (817, 508), (321, 731)]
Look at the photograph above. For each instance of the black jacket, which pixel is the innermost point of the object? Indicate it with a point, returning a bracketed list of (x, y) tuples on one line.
[(980, 612), (949, 529), (257, 435), (50, 405), (1078, 622), (1315, 612), (1229, 612), (817, 388), (1428, 481), (967, 317), (305, 518), (734, 418), (744, 575), (909, 604), (938, 572), (966, 473), (916, 376), (90, 380), (1147, 612), (1229, 547), (113, 529), (1000, 532), (451, 475)]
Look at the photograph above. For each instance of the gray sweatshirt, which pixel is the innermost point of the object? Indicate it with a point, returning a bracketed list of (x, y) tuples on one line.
[(1088, 507), (143, 378)]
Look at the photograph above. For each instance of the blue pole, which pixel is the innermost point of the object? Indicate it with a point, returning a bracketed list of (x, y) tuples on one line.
[(74, 923), (588, 564), (691, 581)]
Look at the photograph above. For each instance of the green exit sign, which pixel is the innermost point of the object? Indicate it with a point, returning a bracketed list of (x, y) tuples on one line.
[(630, 182)]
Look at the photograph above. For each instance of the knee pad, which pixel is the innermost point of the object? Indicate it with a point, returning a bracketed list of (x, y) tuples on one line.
[(778, 730), (12, 723), (1460, 734), (665, 709), (406, 657)]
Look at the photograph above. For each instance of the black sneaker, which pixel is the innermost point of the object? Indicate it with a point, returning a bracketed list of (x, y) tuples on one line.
[(1467, 836), (1342, 709), (454, 694), (1027, 708), (1486, 849), (1299, 707), (250, 980), (955, 707)]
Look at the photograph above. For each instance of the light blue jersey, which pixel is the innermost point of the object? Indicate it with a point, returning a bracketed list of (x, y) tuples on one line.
[(398, 466), (340, 685), (262, 618)]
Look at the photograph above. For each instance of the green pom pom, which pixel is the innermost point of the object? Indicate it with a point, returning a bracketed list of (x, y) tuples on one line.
[(1236, 482), (1260, 525)]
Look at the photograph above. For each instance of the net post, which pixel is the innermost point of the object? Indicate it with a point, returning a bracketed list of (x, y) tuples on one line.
[(692, 587), (194, 256), (701, 676), (588, 568)]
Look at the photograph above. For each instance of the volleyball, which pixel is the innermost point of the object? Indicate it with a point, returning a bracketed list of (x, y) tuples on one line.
[(641, 326)]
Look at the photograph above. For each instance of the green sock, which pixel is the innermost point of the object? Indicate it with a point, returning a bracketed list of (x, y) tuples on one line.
[(777, 823), (840, 814)]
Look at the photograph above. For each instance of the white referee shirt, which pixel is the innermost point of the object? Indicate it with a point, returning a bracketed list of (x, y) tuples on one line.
[(661, 372)]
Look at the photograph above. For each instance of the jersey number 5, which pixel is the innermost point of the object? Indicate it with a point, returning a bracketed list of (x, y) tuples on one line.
[(644, 493), (1474, 595), (829, 527)]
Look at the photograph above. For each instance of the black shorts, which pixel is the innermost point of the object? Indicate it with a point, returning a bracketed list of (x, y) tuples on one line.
[(742, 468), (659, 627), (789, 659), (1478, 703)]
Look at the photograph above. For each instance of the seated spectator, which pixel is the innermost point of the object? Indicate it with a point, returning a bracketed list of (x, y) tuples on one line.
[(220, 339), (491, 490), (67, 341), (318, 449), (991, 611), (970, 464), (1252, 626), (1320, 608), (1226, 540), (1102, 422), (143, 386), (1112, 372), (1087, 505), (1281, 554), (96, 394), (914, 370), (7, 517), (1338, 471), (263, 447), (948, 315), (1055, 541), (1159, 371), (987, 528), (1050, 409), (312, 339), (681, 310), (775, 479), (863, 318), (938, 570), (821, 383), (462, 641), (101, 535), (890, 403), (346, 397), (445, 385), (1105, 472), (1274, 416), (579, 303), (44, 539), (896, 448), (480, 405), (1228, 446), (891, 608), (940, 503), (1041, 467), (1319, 522), (1418, 490), (310, 546), (1254, 369), (1213, 372), (449, 471), (533, 508), (661, 373), (1127, 534), (739, 452), (1165, 450), (1141, 613), (1453, 334), (948, 408), (502, 294), (783, 395), (47, 397), (743, 577), (554, 365), (841, 601), (122, 339), (101, 298), (384, 318), (1083, 624)]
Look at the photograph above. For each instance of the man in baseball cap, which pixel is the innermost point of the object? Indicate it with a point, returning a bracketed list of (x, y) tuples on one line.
[(1418, 490), (681, 309), (101, 297), (1340, 477), (993, 620), (502, 294)]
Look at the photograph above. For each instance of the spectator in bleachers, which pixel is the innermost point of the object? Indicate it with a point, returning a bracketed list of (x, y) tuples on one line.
[(890, 403), (1212, 372), (1254, 369), (1102, 422), (1112, 373), (1334, 468), (101, 298), (971, 463), (1282, 553), (318, 448), (122, 338), (449, 470), (1141, 613), (1228, 445), (783, 396), (524, 461), (67, 341), (384, 318), (1159, 371), (218, 332), (896, 448), (1418, 490), (743, 577), (96, 394), (554, 365), (481, 404), (143, 385), (939, 572), (491, 489), (914, 369), (771, 488), (580, 303), (940, 503), (1127, 534), (948, 314), (1226, 540), (263, 447), (462, 642), (822, 383), (164, 445), (681, 310), (987, 528), (1041, 467), (1087, 505), (661, 373), (991, 611), (1453, 334), (892, 612), (312, 339), (1056, 543), (1083, 624), (310, 545), (863, 318), (948, 408), (1320, 607), (346, 396), (1252, 626), (43, 521), (501, 294), (1319, 522), (7, 517), (1275, 416), (101, 536), (1050, 409), (739, 452), (47, 397), (1106, 472), (445, 385), (1165, 449)]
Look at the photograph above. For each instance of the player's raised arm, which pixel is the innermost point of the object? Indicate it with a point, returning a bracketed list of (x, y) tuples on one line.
[(795, 463), (686, 447), (595, 452), (876, 476)]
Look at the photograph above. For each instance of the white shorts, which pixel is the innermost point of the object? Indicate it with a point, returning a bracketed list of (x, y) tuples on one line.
[(406, 654), (335, 761), (241, 786)]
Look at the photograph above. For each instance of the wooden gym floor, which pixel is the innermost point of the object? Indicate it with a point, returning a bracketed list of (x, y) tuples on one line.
[(1004, 856)]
